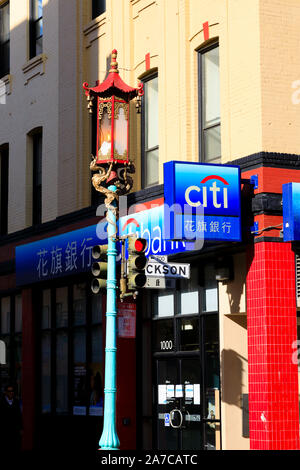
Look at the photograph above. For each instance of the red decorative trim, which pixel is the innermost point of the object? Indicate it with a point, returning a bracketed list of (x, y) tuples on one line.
[(147, 60), (270, 179), (206, 31)]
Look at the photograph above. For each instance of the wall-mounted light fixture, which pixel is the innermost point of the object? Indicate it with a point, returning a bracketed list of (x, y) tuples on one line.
[(224, 268)]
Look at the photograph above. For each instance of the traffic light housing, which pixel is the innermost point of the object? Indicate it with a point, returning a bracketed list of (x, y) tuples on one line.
[(136, 263), (99, 268)]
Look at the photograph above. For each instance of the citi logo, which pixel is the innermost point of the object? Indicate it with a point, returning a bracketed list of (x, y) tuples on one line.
[(219, 196), (130, 221)]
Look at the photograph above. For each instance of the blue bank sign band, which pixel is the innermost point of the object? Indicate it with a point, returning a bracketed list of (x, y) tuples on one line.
[(204, 201), (71, 252), (54, 257)]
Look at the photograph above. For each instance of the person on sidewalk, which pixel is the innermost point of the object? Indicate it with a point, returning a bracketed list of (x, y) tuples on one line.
[(10, 422)]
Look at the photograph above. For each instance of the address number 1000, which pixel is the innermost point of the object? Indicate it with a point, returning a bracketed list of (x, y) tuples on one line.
[(166, 345)]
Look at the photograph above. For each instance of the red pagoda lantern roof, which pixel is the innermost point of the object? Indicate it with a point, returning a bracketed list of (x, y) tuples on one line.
[(112, 83)]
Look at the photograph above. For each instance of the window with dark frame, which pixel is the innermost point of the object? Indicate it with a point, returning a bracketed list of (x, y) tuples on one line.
[(11, 335), (98, 7), (71, 367), (4, 190), (150, 132), (4, 40), (37, 141), (36, 28), (209, 105)]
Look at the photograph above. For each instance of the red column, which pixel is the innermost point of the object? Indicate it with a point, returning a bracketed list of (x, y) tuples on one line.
[(126, 377), (126, 393), (28, 377), (272, 329)]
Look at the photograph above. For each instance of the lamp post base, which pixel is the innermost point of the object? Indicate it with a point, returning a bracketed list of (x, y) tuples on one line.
[(109, 439), (108, 448)]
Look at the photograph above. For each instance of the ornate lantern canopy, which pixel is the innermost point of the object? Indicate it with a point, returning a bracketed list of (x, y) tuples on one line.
[(112, 98)]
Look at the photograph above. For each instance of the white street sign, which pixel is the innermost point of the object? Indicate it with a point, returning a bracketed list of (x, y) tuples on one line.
[(160, 283), (172, 270), (158, 259)]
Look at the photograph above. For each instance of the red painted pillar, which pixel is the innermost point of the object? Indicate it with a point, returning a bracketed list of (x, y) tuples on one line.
[(126, 393), (126, 376), (126, 385), (28, 376), (272, 329)]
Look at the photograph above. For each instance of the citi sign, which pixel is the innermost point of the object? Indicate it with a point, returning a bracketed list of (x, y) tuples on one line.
[(219, 195), (214, 187)]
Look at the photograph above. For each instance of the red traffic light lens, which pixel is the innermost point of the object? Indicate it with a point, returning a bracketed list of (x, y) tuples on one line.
[(140, 245)]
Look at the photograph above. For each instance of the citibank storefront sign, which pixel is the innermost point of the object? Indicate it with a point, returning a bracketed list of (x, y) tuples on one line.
[(58, 256), (205, 201)]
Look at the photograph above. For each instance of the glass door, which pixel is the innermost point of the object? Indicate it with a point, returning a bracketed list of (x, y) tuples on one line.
[(179, 404), (185, 333)]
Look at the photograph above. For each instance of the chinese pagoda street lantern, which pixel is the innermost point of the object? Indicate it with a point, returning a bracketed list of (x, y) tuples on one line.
[(112, 164), (112, 103)]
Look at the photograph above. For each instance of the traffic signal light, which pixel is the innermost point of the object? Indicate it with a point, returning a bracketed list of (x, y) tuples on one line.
[(99, 268), (136, 263)]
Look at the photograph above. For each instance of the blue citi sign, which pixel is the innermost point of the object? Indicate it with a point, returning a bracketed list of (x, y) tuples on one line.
[(291, 211), (205, 199)]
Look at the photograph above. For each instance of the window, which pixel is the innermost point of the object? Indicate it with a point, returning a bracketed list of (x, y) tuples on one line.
[(209, 105), (37, 179), (11, 335), (98, 7), (3, 190), (36, 28), (150, 133), (71, 368), (4, 39)]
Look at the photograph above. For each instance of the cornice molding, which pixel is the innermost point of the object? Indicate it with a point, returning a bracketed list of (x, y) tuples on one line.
[(268, 159)]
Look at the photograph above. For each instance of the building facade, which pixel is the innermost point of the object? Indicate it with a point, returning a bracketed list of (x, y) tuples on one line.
[(222, 86)]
